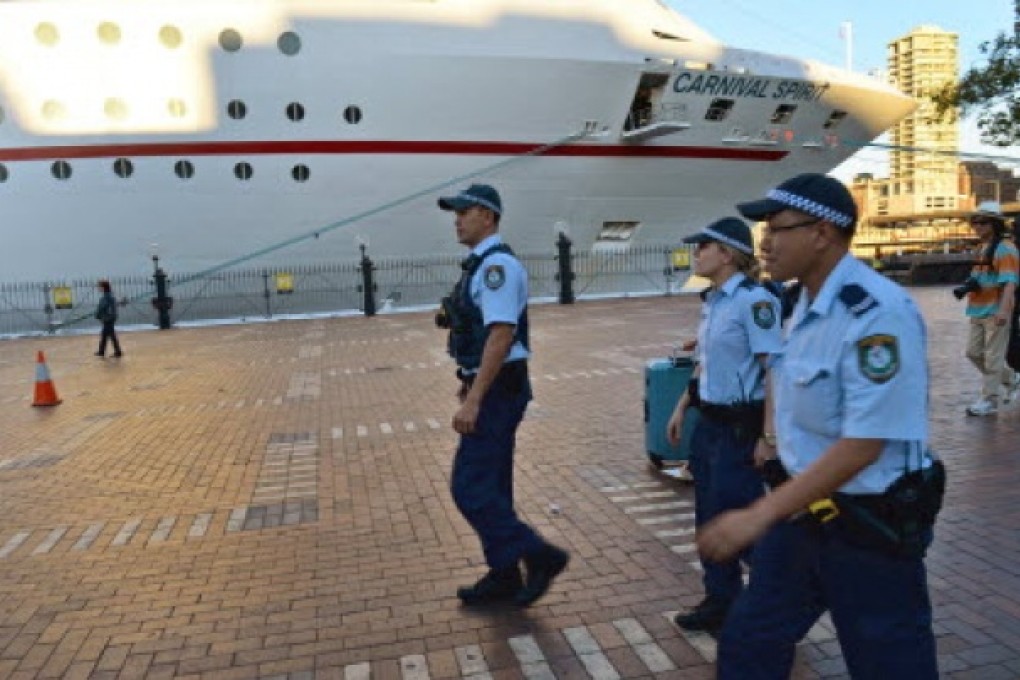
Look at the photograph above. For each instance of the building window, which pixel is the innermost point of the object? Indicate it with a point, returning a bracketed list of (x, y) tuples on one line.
[(834, 119), (236, 109), (783, 114), (300, 173), (295, 111), (123, 168), (243, 171), (289, 43), (61, 170), (47, 34), (230, 40), (170, 37), (184, 169), (719, 109), (352, 114)]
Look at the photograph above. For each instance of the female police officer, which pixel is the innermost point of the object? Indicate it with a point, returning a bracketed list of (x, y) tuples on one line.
[(739, 328), (849, 389)]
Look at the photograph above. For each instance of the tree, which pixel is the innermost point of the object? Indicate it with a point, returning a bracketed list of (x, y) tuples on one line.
[(991, 90)]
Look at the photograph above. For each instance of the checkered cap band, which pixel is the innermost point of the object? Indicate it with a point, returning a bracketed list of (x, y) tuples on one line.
[(731, 242), (465, 196), (810, 207)]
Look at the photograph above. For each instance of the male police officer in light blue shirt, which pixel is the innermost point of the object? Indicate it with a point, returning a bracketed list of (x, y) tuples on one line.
[(850, 401), (488, 321)]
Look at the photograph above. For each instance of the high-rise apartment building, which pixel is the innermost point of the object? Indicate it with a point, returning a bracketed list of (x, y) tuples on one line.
[(921, 63)]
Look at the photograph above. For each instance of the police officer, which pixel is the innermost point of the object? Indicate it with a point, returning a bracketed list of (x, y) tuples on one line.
[(488, 321), (739, 328), (849, 387)]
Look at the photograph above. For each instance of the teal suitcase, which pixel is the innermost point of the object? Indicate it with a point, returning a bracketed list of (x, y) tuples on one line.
[(665, 381)]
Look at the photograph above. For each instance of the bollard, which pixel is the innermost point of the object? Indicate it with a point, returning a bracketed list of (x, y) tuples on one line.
[(367, 282), (162, 302), (566, 274)]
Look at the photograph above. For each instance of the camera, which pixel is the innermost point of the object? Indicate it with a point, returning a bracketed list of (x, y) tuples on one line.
[(971, 285)]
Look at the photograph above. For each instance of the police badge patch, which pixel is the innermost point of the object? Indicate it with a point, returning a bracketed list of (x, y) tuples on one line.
[(495, 277), (879, 357), (763, 314)]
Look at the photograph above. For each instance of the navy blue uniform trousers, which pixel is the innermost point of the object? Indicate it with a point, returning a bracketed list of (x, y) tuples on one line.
[(724, 479), (879, 606), (482, 483)]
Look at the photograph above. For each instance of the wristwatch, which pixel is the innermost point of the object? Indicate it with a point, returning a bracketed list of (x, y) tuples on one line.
[(769, 438)]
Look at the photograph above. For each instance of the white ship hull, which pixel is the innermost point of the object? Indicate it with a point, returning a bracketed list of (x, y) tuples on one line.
[(449, 92)]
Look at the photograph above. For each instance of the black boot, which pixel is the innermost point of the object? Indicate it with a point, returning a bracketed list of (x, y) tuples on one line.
[(709, 615), (496, 586), (542, 565)]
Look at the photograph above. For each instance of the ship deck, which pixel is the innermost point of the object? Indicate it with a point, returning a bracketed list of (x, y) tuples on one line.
[(271, 500)]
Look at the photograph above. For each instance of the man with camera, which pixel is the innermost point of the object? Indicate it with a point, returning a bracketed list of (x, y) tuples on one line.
[(487, 317), (991, 293)]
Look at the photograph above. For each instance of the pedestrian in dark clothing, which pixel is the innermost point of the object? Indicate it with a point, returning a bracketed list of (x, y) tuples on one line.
[(106, 311)]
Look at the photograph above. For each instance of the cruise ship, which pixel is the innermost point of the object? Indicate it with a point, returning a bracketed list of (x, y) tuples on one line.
[(298, 130)]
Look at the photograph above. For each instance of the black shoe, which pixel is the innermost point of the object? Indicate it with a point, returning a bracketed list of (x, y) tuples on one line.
[(709, 615), (101, 354), (543, 565), (118, 355), (496, 586)]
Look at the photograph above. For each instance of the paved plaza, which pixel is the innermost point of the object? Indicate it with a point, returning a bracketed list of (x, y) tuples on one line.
[(271, 501)]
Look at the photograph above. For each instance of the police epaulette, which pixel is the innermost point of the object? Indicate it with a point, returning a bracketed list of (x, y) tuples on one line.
[(857, 300)]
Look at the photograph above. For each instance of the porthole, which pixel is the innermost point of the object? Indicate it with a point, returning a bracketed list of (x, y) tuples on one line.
[(61, 170), (243, 171), (236, 109), (295, 111), (47, 34), (352, 114), (3, 173), (300, 173), (123, 168), (53, 110), (230, 40), (170, 37), (289, 43), (719, 109), (177, 108), (184, 169), (108, 32), (115, 108)]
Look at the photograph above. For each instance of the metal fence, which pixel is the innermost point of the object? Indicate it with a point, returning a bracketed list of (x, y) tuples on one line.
[(243, 294)]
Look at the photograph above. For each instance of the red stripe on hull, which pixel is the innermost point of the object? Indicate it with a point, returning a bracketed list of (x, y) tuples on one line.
[(178, 149)]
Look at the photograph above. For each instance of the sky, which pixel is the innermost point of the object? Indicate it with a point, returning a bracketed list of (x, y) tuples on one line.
[(811, 30)]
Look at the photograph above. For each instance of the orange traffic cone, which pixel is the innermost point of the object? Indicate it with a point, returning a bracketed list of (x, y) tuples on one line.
[(45, 392)]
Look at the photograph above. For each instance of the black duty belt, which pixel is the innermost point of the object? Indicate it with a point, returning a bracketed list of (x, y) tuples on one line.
[(511, 373), (748, 413)]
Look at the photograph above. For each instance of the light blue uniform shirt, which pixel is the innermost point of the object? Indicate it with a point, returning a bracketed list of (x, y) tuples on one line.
[(500, 289), (854, 372), (736, 324)]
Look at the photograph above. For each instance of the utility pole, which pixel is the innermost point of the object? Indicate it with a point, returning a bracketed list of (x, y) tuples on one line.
[(846, 32)]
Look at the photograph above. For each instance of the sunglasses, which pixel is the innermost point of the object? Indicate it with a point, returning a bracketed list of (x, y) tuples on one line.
[(771, 230)]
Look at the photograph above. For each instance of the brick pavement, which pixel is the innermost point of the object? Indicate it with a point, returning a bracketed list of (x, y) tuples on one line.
[(270, 501)]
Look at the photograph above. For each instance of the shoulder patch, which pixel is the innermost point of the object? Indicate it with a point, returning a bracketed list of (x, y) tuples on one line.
[(857, 300), (763, 314), (495, 276), (878, 357)]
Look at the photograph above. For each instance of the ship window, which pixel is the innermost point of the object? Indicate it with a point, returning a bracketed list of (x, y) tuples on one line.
[(170, 36), (835, 118), (184, 169), (289, 43), (47, 34), (243, 171), (53, 110), (617, 232), (115, 108), (230, 40), (236, 109), (352, 114), (783, 114), (3, 173), (719, 109), (300, 173), (177, 108), (61, 170), (123, 167), (295, 111), (108, 32)]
